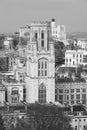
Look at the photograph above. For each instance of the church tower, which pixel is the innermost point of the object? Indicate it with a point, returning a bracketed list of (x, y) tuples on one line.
[(40, 79)]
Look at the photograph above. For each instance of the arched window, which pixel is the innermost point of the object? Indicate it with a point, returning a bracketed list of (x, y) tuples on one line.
[(42, 93), (42, 67)]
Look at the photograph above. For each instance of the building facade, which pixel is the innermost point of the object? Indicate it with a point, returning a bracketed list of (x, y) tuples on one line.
[(74, 58), (40, 81), (82, 43), (14, 92), (79, 121), (71, 93)]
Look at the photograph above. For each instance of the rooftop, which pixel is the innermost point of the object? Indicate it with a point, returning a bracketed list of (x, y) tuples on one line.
[(79, 107), (65, 69), (74, 51)]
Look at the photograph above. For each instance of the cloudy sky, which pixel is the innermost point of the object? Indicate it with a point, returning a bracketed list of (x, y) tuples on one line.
[(16, 13)]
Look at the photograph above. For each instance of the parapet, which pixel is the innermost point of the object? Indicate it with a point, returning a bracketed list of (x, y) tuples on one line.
[(40, 23)]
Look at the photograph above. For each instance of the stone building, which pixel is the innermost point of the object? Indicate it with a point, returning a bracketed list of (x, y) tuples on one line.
[(14, 91), (81, 43), (71, 93), (58, 31), (40, 79)]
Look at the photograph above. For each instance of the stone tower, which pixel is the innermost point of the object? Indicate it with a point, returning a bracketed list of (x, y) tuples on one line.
[(40, 79)]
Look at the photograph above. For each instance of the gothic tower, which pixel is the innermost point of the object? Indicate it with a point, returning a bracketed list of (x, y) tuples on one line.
[(40, 79)]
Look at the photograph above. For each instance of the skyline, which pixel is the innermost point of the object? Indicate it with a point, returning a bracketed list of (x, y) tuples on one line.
[(17, 13)]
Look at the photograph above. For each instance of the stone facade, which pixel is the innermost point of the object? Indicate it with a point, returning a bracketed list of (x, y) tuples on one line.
[(34, 68), (14, 92), (71, 93), (58, 31), (40, 81), (79, 121)]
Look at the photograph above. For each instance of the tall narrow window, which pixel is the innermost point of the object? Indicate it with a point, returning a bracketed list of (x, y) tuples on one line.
[(42, 93), (24, 94), (42, 67), (42, 73), (42, 39), (42, 43), (14, 95), (45, 65), (38, 65), (42, 35), (45, 73), (36, 35)]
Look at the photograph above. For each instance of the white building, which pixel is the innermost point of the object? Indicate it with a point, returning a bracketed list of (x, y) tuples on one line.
[(84, 72), (85, 59), (8, 42), (58, 31), (79, 120), (73, 58), (82, 43), (40, 81)]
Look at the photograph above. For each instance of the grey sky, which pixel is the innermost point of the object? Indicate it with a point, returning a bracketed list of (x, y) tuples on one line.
[(16, 13)]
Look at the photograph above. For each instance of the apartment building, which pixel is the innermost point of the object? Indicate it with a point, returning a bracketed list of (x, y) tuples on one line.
[(79, 120), (24, 31), (74, 58), (8, 43)]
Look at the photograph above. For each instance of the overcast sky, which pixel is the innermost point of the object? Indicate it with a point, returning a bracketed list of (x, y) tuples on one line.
[(16, 13)]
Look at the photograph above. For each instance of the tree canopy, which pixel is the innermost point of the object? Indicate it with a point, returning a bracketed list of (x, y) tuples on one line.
[(44, 117), (1, 123), (59, 53), (2, 37), (3, 64)]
